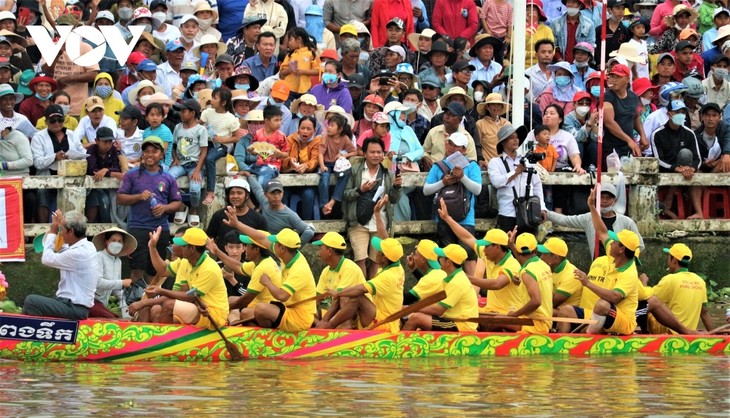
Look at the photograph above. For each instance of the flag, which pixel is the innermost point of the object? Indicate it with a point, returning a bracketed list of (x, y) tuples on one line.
[(12, 234)]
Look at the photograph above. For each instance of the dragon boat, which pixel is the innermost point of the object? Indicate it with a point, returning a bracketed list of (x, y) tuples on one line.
[(48, 339)]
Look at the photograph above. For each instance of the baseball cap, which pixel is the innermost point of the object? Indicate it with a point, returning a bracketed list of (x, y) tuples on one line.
[(93, 102), (687, 33), (683, 44), (430, 80), (329, 54), (129, 112), (186, 18), (192, 236), (224, 58), (426, 248), (665, 55), (255, 115), (621, 70), (190, 66), (273, 185), (380, 118), (554, 245), (157, 3), (459, 139), (453, 252), (174, 45), (608, 188), (155, 141), (679, 251), (356, 80), (53, 110), (104, 134), (675, 105), (349, 29), (397, 22), (494, 236), (248, 240), (147, 65), (135, 58), (390, 247), (280, 90), (191, 104), (287, 237), (627, 238), (105, 14), (720, 10), (525, 243), (461, 65), (398, 50), (708, 106), (456, 108), (333, 240)]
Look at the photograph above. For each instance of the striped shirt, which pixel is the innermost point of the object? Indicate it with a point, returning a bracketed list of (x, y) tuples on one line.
[(498, 17)]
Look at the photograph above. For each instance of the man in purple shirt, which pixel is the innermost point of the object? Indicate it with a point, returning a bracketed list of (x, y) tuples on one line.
[(152, 194)]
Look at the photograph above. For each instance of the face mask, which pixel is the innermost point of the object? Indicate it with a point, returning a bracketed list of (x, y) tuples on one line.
[(125, 13), (562, 80), (572, 11), (478, 96), (679, 118), (300, 115), (596, 91), (583, 64), (240, 116), (195, 95), (367, 118), (272, 101), (245, 87), (720, 73), (329, 78), (161, 16), (625, 23), (65, 108), (582, 110), (645, 102), (103, 91), (607, 210), (676, 26), (187, 40), (39, 97), (114, 248), (205, 23)]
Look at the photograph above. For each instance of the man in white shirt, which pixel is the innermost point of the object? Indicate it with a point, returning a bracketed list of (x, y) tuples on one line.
[(79, 268), (95, 119), (168, 73), (483, 52), (539, 74), (179, 8)]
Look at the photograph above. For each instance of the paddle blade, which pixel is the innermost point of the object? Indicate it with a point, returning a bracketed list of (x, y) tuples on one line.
[(428, 301)]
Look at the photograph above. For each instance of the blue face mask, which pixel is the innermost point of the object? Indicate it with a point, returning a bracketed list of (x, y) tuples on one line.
[(596, 91), (195, 95), (329, 78), (272, 101), (625, 23), (562, 80), (103, 91), (47, 97), (245, 87), (679, 119), (300, 115)]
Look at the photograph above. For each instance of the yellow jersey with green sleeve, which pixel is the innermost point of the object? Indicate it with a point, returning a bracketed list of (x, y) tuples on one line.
[(598, 275), (510, 297), (565, 283), (207, 278), (684, 293), (346, 274), (431, 283), (387, 290), (645, 292), (267, 266), (461, 300), (626, 282), (298, 281), (539, 271)]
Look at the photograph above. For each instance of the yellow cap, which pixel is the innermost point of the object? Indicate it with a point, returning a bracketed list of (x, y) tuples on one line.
[(333, 240), (453, 252), (627, 238), (93, 102), (192, 236), (526, 243), (680, 251), (494, 236), (390, 247), (348, 29), (555, 246), (425, 247), (287, 237), (248, 240)]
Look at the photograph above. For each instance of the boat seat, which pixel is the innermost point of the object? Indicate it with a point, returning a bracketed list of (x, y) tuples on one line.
[(715, 200)]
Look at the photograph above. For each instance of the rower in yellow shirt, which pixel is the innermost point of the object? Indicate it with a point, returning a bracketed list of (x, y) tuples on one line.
[(537, 279), (566, 290), (423, 262), (339, 273), (461, 300), (258, 261)]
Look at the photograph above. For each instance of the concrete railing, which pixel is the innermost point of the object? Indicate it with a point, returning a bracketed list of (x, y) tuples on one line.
[(642, 179)]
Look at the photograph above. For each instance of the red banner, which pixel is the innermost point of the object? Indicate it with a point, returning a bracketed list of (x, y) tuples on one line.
[(12, 235)]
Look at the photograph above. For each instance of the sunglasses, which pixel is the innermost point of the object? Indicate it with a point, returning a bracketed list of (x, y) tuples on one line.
[(55, 120)]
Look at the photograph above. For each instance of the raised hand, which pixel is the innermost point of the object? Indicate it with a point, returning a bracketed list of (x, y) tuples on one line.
[(443, 211), (154, 237), (380, 204)]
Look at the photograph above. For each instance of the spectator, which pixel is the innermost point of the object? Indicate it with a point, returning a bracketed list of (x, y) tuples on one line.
[(688, 63), (582, 59), (164, 32), (306, 105), (111, 244), (305, 146), (638, 29), (572, 20), (536, 31), (155, 114), (540, 75), (95, 119), (300, 64), (147, 72), (394, 33), (103, 161), (413, 99), (264, 64), (456, 18), (386, 12), (483, 54), (43, 88), (335, 147), (333, 90), (189, 29), (129, 136), (407, 79), (104, 89), (422, 42), (380, 130), (350, 51), (178, 9), (710, 55), (274, 13), (206, 18), (405, 151), (717, 83), (582, 124), (147, 44), (720, 18), (713, 139), (324, 38), (491, 112), (371, 105), (616, 32), (561, 88), (431, 91), (17, 158), (245, 44), (435, 145), (543, 145), (278, 216), (215, 49), (62, 99), (440, 59), (668, 92), (621, 117), (268, 166), (456, 94), (496, 20), (169, 72), (683, 16), (338, 13)]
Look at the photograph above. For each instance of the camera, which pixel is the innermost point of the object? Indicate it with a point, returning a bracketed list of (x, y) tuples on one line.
[(384, 81), (531, 156)]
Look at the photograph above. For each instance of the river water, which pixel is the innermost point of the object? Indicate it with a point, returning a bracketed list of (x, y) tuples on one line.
[(628, 385)]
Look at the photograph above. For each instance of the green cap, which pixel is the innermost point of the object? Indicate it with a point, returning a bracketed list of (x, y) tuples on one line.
[(153, 140)]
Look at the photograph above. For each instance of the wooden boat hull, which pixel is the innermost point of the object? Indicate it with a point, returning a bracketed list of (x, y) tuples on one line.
[(109, 341)]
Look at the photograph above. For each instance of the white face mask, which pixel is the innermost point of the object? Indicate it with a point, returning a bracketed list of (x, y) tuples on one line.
[(676, 26), (125, 13), (478, 96), (645, 102), (161, 16), (582, 110), (186, 39), (205, 24), (114, 248), (65, 108), (573, 11)]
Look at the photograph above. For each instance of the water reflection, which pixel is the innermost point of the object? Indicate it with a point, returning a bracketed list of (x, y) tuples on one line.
[(627, 385)]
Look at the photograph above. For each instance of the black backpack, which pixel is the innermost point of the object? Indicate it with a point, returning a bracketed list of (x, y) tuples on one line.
[(455, 197)]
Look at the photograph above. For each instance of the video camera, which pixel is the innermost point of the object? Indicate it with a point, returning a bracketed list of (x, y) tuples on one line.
[(532, 157)]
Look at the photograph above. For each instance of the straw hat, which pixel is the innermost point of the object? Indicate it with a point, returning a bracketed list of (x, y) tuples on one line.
[(681, 8), (414, 37), (142, 84), (203, 6), (492, 98), (485, 39), (207, 40), (308, 99), (159, 97), (130, 243), (629, 52), (335, 109), (457, 91)]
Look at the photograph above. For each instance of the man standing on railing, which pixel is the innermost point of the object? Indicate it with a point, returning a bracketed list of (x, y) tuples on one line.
[(152, 194)]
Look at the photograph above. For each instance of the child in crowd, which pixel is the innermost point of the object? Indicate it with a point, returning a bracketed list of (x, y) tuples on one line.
[(223, 132), (638, 30), (300, 63), (372, 104), (336, 144), (191, 145), (380, 130), (94, 120), (155, 115), (129, 136), (542, 137), (245, 159), (267, 169)]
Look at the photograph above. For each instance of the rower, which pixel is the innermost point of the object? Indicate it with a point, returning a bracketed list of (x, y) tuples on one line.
[(339, 273), (195, 269), (258, 261), (566, 290), (497, 270), (424, 265), (461, 300), (537, 279)]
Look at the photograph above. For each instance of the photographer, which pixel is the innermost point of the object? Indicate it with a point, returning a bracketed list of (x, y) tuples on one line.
[(508, 174)]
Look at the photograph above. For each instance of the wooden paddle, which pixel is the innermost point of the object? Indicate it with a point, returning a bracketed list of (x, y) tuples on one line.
[(496, 320), (436, 297), (317, 298), (232, 349), (242, 320), (718, 330), (551, 319)]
